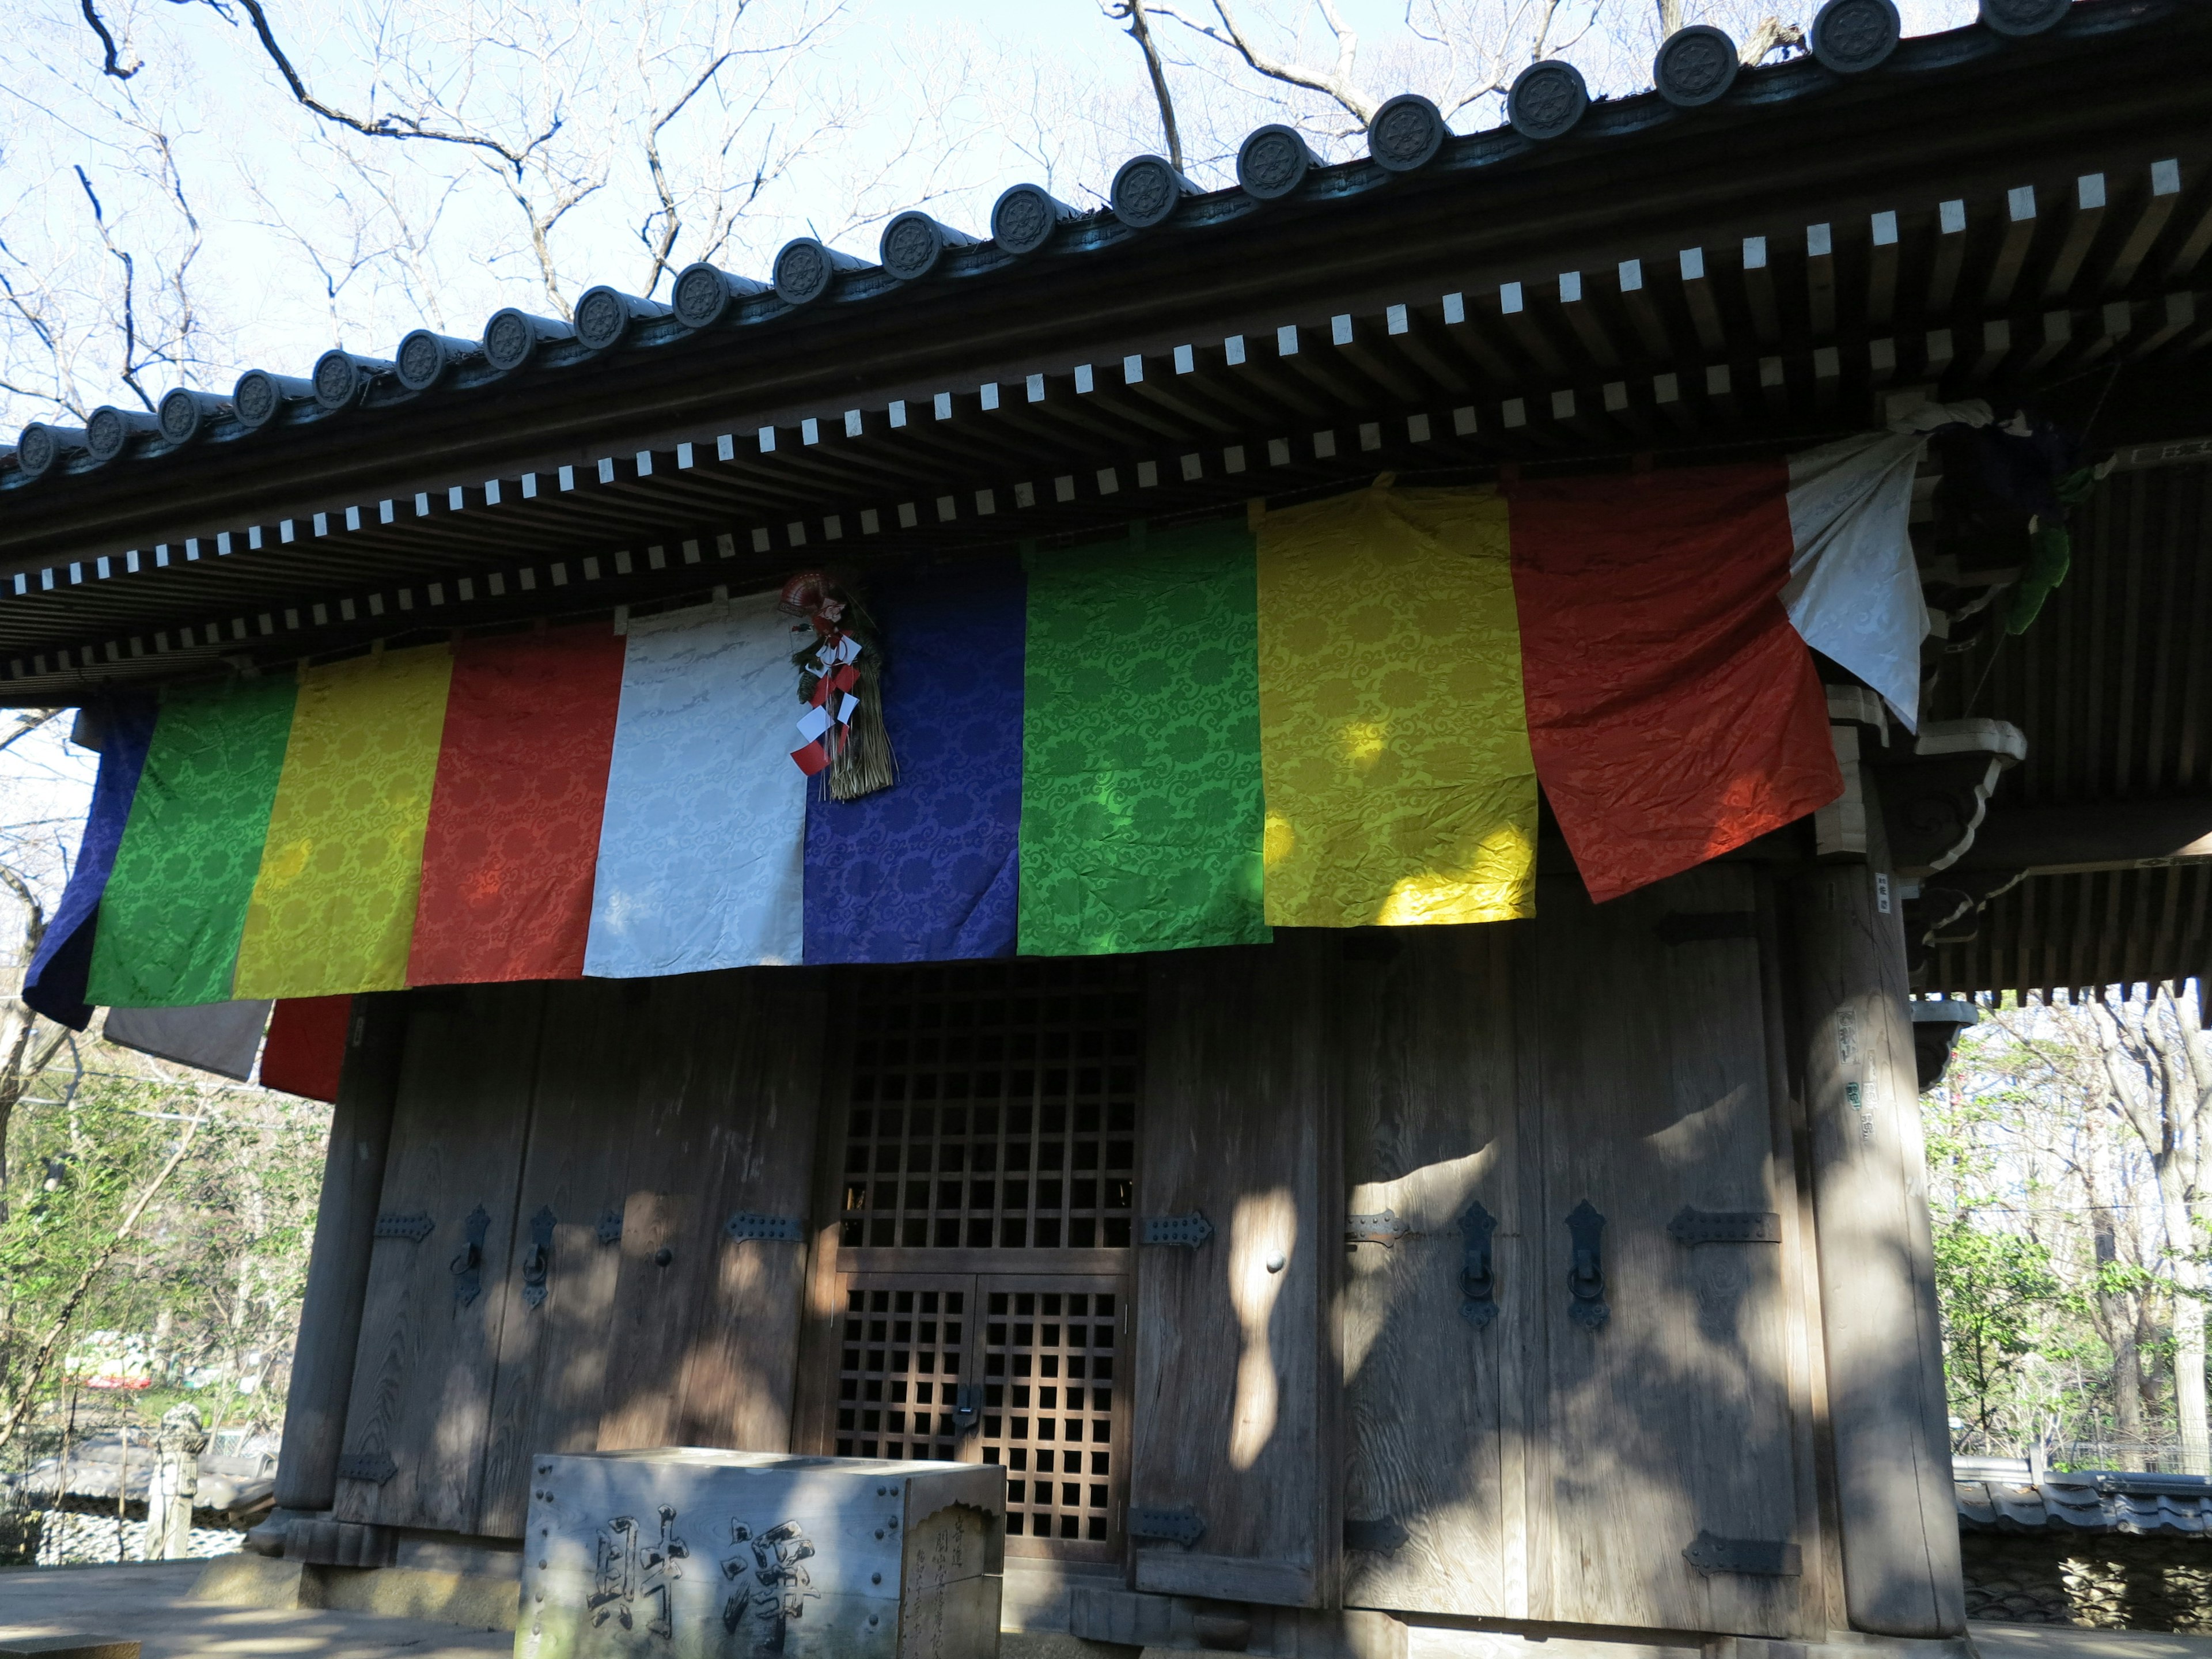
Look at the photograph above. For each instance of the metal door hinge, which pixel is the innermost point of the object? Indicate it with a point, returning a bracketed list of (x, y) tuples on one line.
[(1691, 928), (376, 1467), (416, 1227), (1184, 1526), (1694, 1226), (1384, 1229), (1188, 1230), (537, 1261), (782, 1229), (1378, 1535), (468, 1266), (1478, 1271), (1764, 1558), (1586, 1269)]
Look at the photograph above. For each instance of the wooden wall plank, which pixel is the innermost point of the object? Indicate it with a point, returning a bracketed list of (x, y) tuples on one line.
[(1226, 1417), (551, 1384), (729, 1090), (1651, 1093), (422, 1374), (1434, 1515)]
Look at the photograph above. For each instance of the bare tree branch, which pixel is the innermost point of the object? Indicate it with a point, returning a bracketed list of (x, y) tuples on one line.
[(383, 126), (27, 721), (1140, 31), (112, 63), (1338, 83)]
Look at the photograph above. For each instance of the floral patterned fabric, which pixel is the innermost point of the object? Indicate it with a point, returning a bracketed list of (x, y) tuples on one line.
[(929, 869), (1400, 785), (514, 818), (170, 920), (54, 983), (1142, 814), (333, 908), (700, 853)]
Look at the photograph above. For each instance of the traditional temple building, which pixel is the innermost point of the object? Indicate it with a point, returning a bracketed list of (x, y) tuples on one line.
[(1287, 858)]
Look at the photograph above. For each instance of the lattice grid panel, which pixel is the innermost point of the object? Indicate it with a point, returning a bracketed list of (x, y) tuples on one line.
[(1049, 1410), (995, 1106), (899, 1374)]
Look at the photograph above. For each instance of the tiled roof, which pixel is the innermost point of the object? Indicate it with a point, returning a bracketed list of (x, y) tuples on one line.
[(2178, 1505)]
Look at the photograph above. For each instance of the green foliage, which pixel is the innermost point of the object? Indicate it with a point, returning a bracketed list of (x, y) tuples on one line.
[(204, 1294), (1999, 1293)]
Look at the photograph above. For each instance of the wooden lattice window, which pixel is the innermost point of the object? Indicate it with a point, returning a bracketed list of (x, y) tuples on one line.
[(994, 1107), (1049, 1394), (899, 1372)]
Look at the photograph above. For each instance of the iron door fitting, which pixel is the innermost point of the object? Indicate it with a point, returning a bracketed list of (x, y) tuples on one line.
[(537, 1261), (468, 1266), (1478, 1269), (1586, 1304)]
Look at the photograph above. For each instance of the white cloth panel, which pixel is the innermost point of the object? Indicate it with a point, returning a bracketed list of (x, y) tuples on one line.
[(222, 1037), (701, 845), (1854, 590)]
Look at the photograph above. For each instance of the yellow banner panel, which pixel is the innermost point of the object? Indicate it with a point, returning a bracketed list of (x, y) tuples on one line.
[(1393, 737), (333, 908)]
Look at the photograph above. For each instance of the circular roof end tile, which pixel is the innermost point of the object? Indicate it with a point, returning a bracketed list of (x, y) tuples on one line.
[(423, 357), (2021, 18), (259, 397), (1853, 36), (805, 269), (703, 294), (108, 433), (1695, 65), (511, 337), (1025, 217), (184, 413), (1146, 191), (42, 449), (912, 243), (1547, 99), (605, 315), (1406, 133), (341, 378), (1272, 162)]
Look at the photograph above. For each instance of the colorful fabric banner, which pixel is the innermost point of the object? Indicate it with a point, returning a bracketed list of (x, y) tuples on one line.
[(171, 916), (1854, 589), (701, 852), (929, 869), (306, 1051), (514, 834), (333, 908), (1141, 811), (54, 984), (222, 1037), (1400, 785), (1673, 711)]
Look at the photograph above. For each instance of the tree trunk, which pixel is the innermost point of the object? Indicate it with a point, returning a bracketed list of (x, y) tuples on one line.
[(2188, 1332)]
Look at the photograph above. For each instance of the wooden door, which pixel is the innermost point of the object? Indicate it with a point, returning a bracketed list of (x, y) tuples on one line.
[(1435, 1510), (557, 1297), (1664, 1481), (1230, 1409), (727, 1086), (419, 1417)]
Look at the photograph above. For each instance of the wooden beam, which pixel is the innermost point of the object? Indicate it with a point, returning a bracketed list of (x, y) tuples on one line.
[(1884, 1347), (338, 1269)]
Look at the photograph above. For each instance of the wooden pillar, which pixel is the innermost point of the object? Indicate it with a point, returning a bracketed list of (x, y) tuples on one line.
[(1887, 1415), (337, 1271)]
